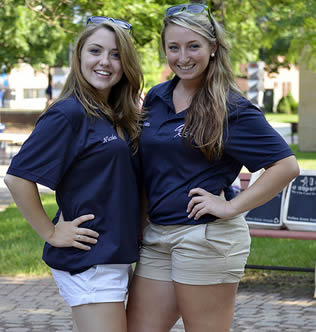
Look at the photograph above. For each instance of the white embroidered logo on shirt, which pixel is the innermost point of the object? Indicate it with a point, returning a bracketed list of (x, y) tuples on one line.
[(146, 124), (178, 131), (107, 139)]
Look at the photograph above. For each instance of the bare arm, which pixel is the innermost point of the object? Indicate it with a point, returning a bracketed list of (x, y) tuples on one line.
[(268, 185), (63, 234)]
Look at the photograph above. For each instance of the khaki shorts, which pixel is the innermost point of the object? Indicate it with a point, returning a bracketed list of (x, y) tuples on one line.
[(205, 254)]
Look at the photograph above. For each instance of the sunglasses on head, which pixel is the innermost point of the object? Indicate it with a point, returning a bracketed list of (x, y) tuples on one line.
[(99, 19), (191, 8)]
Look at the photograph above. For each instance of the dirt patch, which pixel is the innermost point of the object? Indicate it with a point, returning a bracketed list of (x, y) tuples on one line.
[(302, 283)]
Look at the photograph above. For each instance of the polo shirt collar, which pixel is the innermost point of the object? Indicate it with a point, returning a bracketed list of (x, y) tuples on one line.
[(166, 90)]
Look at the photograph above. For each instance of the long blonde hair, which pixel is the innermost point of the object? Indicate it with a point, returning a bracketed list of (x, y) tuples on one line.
[(122, 107), (205, 117)]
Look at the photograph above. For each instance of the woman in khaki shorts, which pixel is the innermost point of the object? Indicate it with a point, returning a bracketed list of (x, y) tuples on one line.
[(198, 134)]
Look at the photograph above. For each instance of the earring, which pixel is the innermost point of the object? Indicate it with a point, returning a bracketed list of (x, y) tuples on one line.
[(212, 55)]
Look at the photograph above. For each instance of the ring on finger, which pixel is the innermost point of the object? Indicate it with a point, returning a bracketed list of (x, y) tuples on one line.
[(78, 237)]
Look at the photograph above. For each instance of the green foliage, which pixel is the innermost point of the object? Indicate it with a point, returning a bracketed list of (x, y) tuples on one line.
[(151, 64), (289, 31), (293, 103), (24, 36), (39, 32)]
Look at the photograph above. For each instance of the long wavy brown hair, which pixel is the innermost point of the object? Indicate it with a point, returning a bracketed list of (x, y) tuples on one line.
[(206, 116), (122, 107)]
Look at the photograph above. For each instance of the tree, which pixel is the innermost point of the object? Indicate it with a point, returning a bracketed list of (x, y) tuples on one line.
[(269, 28), (291, 33), (39, 32), (25, 37)]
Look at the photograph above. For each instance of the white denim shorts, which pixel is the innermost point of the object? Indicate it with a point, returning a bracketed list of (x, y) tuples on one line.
[(100, 283), (206, 254)]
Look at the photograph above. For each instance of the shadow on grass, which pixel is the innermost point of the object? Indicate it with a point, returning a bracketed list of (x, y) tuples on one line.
[(297, 283)]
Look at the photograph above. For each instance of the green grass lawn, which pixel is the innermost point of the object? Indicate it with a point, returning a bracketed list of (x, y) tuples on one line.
[(306, 160), (21, 247), (282, 252), (277, 117)]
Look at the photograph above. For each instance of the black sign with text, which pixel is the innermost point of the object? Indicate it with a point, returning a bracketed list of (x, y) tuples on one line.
[(268, 213), (302, 200)]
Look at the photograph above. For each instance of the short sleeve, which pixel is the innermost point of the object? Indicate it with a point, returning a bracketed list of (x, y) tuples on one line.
[(252, 141), (49, 151)]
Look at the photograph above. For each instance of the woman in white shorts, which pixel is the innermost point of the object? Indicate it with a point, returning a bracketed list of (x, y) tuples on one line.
[(198, 133), (83, 147)]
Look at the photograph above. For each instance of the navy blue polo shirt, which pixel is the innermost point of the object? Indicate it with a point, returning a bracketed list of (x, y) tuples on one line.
[(91, 169), (171, 167)]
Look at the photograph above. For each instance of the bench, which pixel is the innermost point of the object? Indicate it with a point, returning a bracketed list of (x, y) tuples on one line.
[(10, 139), (279, 234)]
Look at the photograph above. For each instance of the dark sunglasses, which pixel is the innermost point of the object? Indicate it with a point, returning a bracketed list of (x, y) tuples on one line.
[(196, 9), (191, 8), (99, 19)]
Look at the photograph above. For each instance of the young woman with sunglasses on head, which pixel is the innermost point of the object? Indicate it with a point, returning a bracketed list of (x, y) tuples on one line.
[(198, 133), (82, 147)]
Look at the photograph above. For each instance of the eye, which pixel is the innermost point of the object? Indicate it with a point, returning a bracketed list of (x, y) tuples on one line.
[(94, 51), (194, 46), (172, 48), (115, 55)]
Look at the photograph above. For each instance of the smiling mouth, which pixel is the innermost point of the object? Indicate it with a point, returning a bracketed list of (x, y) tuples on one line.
[(185, 67), (103, 73)]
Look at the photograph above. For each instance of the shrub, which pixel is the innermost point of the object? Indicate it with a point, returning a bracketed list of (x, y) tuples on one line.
[(284, 106), (293, 103), (287, 105)]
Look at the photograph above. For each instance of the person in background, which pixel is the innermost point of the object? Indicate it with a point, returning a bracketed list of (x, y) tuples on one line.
[(198, 133), (49, 90), (83, 147), (1, 98)]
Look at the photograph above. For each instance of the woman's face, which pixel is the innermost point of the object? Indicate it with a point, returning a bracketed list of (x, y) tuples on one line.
[(188, 53), (100, 61)]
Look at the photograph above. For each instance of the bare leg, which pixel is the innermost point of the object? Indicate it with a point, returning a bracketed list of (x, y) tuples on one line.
[(206, 308), (100, 317), (151, 306)]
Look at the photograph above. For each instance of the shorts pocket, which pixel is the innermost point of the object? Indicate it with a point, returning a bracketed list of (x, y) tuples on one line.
[(90, 273), (218, 235), (151, 235)]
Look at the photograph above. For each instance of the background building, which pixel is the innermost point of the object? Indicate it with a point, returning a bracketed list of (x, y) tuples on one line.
[(25, 88)]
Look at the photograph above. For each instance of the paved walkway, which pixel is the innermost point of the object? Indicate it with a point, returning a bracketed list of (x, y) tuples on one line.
[(34, 305)]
